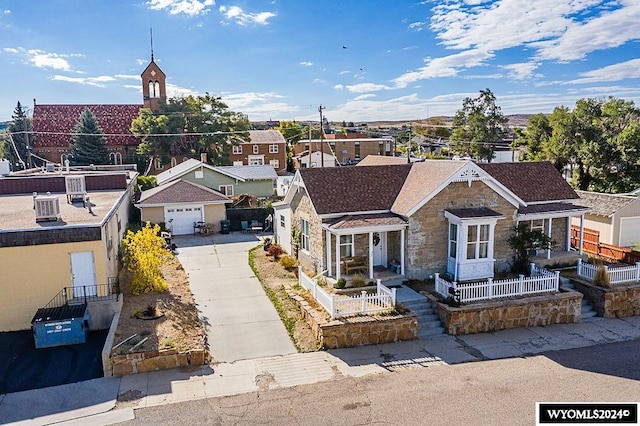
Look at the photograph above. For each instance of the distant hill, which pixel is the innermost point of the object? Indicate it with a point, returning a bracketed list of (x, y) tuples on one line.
[(515, 120)]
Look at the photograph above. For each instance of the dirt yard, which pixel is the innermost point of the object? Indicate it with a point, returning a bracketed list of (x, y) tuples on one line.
[(178, 325)]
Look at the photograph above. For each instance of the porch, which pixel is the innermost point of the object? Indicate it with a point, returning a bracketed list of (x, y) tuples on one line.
[(371, 246)]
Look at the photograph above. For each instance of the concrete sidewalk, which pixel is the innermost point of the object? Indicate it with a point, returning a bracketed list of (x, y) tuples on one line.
[(93, 402)]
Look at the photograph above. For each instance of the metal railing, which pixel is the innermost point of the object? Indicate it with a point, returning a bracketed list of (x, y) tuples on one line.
[(84, 294)]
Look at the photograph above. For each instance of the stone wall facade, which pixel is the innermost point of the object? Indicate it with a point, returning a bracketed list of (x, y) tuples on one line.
[(311, 259), (428, 232), (622, 300), (359, 330), (143, 362), (558, 308)]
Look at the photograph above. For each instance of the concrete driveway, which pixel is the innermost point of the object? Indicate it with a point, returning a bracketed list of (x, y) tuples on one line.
[(240, 320)]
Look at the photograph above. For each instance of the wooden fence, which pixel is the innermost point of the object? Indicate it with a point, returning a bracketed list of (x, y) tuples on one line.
[(592, 246)]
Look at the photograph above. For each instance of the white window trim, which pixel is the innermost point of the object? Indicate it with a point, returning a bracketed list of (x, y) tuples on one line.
[(273, 149), (237, 149), (256, 149), (225, 189), (463, 231), (348, 244), (304, 237), (275, 163)]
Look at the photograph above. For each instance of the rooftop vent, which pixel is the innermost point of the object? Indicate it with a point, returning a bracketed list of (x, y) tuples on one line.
[(76, 187), (47, 207)]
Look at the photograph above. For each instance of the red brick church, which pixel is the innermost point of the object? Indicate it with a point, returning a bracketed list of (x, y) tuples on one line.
[(53, 123)]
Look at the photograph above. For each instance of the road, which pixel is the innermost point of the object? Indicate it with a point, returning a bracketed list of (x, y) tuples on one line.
[(489, 392)]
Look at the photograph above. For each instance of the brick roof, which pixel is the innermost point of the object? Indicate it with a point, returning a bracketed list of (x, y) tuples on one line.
[(53, 124), (180, 191), (604, 204), (354, 189), (531, 181)]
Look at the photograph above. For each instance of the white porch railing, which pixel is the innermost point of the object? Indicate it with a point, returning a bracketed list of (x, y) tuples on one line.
[(619, 275), (542, 282), (359, 304)]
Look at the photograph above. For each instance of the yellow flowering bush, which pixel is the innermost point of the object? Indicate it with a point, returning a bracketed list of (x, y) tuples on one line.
[(144, 254)]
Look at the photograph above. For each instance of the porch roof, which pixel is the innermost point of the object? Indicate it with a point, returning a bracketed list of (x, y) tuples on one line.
[(552, 208), (474, 212), (386, 220)]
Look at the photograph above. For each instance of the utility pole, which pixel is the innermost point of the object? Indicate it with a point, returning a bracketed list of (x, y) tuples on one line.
[(320, 109)]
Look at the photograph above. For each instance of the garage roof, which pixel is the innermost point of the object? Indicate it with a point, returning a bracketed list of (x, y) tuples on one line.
[(181, 191)]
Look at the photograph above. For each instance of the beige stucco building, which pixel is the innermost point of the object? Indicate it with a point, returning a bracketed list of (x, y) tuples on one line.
[(48, 244)]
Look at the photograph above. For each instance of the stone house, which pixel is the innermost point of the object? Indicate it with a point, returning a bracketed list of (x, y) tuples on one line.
[(449, 217)]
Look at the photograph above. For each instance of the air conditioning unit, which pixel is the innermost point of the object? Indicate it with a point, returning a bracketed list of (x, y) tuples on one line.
[(76, 187), (47, 208)]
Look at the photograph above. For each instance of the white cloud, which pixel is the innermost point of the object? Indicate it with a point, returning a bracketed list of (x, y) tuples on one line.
[(615, 72), (41, 59), (366, 87), (363, 97), (521, 71), (235, 13), (344, 72), (338, 87), (6, 12), (187, 7), (127, 76), (306, 63), (88, 81), (10, 50), (175, 91), (417, 26), (259, 106)]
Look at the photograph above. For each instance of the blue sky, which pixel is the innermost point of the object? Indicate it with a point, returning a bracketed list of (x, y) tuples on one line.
[(362, 59)]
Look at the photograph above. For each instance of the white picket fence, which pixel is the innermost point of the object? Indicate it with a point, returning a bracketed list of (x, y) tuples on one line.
[(541, 281), (344, 306), (619, 275)]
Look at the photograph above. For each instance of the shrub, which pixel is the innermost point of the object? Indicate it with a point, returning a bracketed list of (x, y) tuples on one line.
[(358, 281), (275, 250), (288, 262), (144, 253), (340, 283), (601, 278)]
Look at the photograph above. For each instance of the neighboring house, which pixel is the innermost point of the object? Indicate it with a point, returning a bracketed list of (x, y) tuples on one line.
[(47, 244), (304, 160), (347, 148), (258, 181), (452, 217), (265, 147), (615, 216), (180, 204), (53, 124)]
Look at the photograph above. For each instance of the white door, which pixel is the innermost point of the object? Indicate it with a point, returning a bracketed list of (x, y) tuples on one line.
[(179, 219), (83, 274), (379, 243), (629, 231)]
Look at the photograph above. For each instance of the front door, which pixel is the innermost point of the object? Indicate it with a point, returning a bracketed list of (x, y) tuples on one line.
[(379, 243), (83, 274)]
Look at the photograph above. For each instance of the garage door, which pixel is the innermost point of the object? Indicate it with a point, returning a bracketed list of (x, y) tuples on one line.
[(629, 231), (181, 218)]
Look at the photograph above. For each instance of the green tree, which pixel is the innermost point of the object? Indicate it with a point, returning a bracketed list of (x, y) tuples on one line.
[(524, 241), (89, 143), (292, 132), (478, 126), (191, 126), (19, 139), (534, 137)]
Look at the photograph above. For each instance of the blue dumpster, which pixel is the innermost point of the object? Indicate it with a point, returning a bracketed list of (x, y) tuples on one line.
[(63, 325)]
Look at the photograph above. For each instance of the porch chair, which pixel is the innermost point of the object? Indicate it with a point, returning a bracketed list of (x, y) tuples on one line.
[(245, 226)]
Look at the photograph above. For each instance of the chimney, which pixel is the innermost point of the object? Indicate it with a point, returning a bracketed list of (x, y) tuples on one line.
[(203, 157)]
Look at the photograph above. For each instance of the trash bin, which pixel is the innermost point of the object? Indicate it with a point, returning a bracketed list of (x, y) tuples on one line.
[(225, 226)]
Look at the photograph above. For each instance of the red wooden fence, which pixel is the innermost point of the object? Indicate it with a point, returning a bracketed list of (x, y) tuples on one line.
[(591, 245)]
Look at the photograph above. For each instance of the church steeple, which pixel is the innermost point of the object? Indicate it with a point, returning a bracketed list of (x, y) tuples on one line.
[(154, 89)]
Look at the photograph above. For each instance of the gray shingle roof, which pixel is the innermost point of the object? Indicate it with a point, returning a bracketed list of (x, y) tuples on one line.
[(551, 208), (266, 172), (366, 220), (604, 204), (265, 136)]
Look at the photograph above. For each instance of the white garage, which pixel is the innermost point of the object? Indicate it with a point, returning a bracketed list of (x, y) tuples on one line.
[(180, 218), (181, 203)]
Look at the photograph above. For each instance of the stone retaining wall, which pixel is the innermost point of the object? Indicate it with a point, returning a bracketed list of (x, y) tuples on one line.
[(358, 330), (558, 308), (143, 362), (622, 300)]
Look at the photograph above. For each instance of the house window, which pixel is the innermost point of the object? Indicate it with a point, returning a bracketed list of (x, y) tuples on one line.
[(453, 239), (304, 234), (477, 241), (346, 246), (256, 149), (537, 225), (275, 163), (226, 190), (273, 149), (282, 221), (256, 161), (237, 163), (237, 149)]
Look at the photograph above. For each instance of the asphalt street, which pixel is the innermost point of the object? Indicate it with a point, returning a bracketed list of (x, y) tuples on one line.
[(498, 392)]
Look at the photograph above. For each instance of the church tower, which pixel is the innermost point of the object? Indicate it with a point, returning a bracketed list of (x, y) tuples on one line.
[(154, 89)]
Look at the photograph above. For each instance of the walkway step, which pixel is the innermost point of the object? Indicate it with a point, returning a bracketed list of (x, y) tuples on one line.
[(429, 325)]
